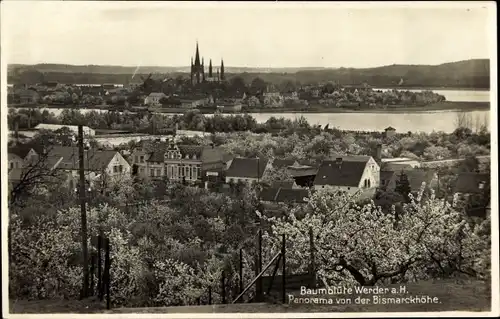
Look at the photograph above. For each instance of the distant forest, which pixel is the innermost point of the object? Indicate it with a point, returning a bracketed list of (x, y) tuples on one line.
[(463, 74)]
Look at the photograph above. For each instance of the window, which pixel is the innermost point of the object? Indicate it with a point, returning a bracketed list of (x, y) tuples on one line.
[(115, 169), (198, 169), (383, 182), (136, 159), (190, 172), (120, 168), (369, 183), (11, 165), (141, 170), (186, 171), (348, 188), (152, 172), (481, 185), (158, 172), (142, 158)]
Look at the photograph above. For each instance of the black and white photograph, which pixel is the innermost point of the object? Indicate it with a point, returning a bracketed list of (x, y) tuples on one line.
[(249, 159)]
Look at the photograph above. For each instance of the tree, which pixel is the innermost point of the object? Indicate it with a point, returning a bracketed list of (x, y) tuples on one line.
[(237, 84), (463, 120), (362, 245), (258, 85), (37, 174), (273, 175), (403, 186)]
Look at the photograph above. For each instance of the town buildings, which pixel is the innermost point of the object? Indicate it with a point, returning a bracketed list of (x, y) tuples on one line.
[(189, 163)]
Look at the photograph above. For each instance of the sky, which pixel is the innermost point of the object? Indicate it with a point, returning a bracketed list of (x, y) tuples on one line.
[(245, 35)]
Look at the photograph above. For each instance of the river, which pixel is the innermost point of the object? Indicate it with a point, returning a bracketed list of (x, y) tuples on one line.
[(403, 122)]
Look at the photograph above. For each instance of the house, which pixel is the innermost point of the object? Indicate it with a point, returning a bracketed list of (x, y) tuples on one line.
[(389, 131), (302, 171), (247, 170), (416, 177), (28, 97), (399, 163), (272, 99), (472, 183), (22, 158), (189, 163), (154, 99), (284, 195), (97, 163), (475, 190), (87, 131), (291, 96), (352, 174), (20, 155), (190, 103)]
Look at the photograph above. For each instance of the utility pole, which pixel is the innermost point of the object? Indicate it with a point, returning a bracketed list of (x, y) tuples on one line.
[(83, 213)]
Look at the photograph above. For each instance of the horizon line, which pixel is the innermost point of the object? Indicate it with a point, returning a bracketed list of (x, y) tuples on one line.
[(242, 67)]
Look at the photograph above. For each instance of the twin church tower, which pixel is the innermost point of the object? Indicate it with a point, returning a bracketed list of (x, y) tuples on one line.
[(198, 70)]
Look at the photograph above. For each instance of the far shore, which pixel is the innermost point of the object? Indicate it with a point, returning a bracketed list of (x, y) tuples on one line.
[(393, 109)]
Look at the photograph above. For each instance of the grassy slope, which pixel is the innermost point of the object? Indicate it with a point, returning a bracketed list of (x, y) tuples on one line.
[(454, 296)]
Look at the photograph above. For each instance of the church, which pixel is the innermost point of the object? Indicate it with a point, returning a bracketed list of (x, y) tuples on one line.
[(198, 70)]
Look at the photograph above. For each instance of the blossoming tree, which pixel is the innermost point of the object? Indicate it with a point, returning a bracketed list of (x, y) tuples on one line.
[(362, 245)]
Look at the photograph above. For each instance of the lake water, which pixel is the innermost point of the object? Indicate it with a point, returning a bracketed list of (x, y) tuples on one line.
[(403, 122)]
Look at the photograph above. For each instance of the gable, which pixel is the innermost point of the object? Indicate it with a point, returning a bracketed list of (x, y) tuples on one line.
[(348, 173)]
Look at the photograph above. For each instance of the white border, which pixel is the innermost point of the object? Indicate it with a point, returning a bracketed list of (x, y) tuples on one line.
[(494, 155)]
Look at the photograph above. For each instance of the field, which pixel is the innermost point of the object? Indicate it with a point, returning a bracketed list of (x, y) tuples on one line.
[(453, 296)]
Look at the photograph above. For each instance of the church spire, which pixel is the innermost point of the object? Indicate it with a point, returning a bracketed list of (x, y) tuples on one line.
[(222, 69), (210, 69), (197, 57)]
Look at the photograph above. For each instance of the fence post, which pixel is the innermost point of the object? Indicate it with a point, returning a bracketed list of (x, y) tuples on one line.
[(92, 271), (223, 283), (108, 277), (241, 270), (283, 253), (209, 295), (259, 267), (99, 267)]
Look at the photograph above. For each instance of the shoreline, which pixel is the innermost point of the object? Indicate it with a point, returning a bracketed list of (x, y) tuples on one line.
[(446, 106)]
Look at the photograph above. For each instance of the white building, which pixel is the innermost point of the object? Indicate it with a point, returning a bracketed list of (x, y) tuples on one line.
[(247, 170), (153, 99), (348, 173)]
